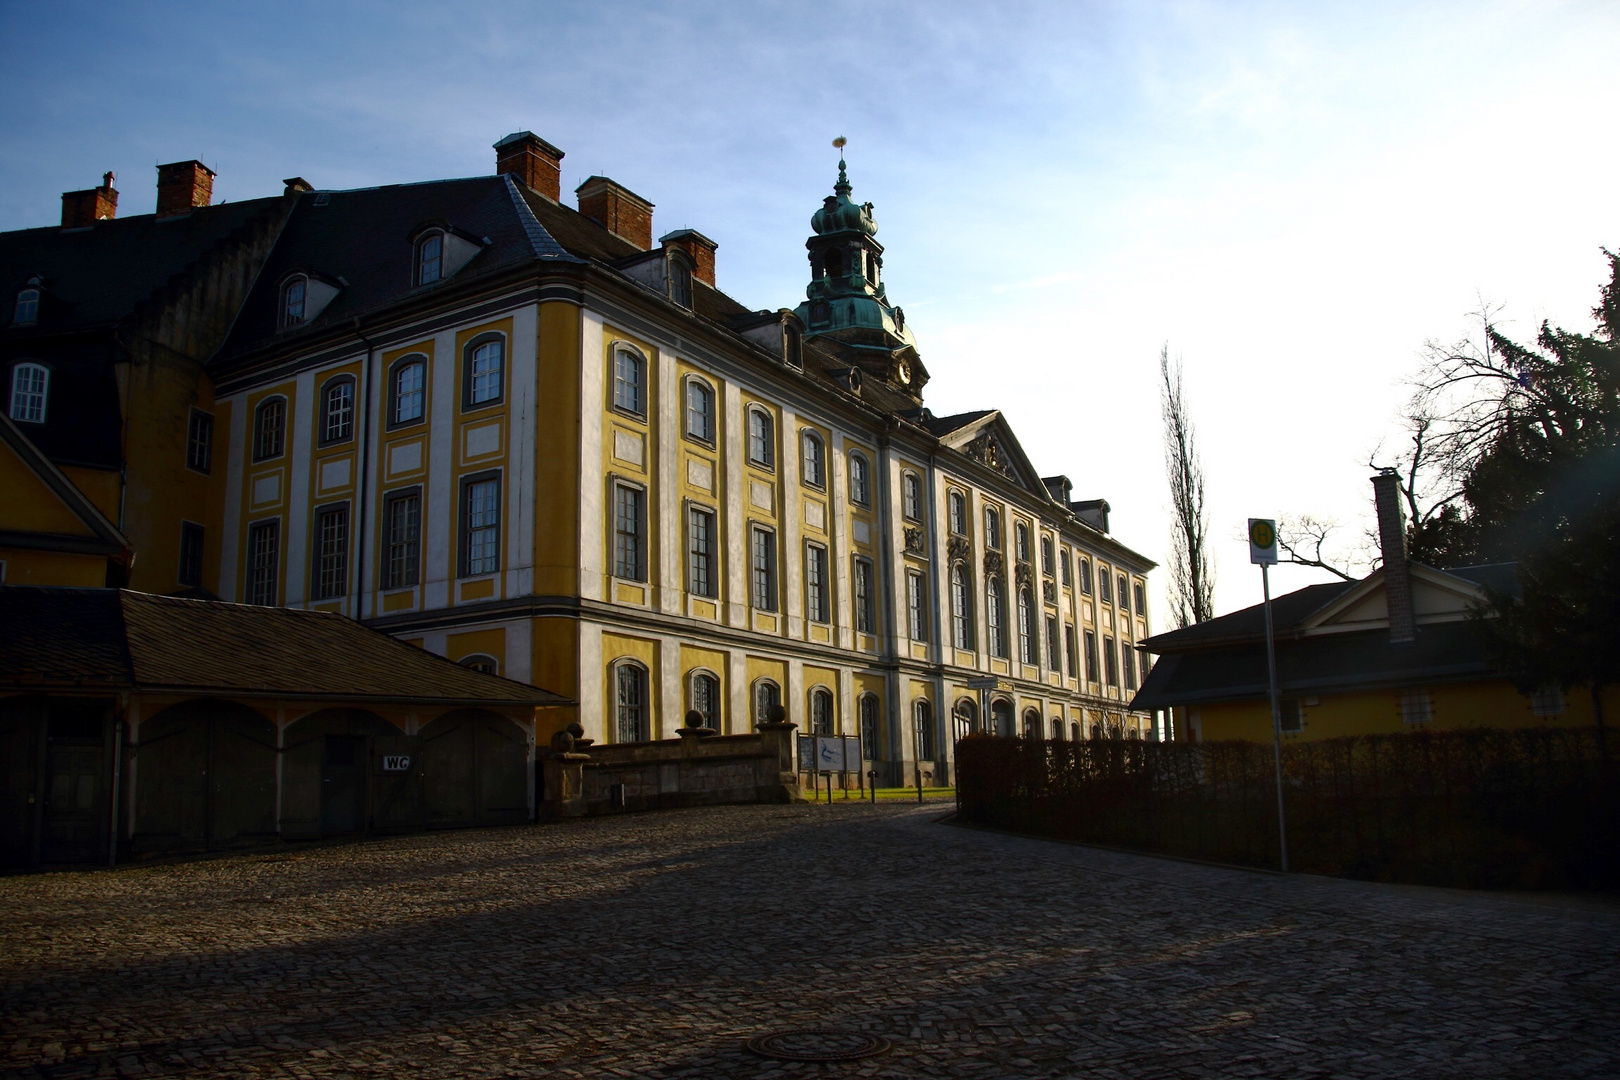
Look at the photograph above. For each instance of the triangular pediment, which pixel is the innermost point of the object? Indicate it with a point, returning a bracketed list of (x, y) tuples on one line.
[(988, 439), (42, 503), (1436, 597)]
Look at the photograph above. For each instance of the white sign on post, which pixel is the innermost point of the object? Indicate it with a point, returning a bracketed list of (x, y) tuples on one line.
[(830, 753), (1263, 541)]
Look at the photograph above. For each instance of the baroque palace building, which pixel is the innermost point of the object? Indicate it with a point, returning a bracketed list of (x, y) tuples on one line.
[(533, 440)]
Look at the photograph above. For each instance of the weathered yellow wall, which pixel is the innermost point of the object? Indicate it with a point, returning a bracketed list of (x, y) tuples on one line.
[(554, 665), (100, 486), (27, 567), (491, 642), (29, 504), (556, 481)]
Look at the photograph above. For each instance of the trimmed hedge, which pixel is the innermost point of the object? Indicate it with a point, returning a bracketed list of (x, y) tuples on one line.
[(1533, 808)]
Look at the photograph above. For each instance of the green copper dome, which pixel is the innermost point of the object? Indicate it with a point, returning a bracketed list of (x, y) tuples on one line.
[(839, 214)]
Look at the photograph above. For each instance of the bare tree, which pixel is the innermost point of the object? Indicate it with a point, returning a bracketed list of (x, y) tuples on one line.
[(1192, 575), (1307, 540)]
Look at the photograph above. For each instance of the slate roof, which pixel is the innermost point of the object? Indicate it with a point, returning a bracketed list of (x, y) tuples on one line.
[(1288, 611), (940, 426), (1315, 665), (118, 639)]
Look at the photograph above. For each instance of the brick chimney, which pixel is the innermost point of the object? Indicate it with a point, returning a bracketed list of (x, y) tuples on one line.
[(531, 161), (618, 209), (1392, 544), (82, 209), (698, 247), (183, 186)]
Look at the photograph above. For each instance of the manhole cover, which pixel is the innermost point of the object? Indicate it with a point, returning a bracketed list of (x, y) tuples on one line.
[(818, 1044)]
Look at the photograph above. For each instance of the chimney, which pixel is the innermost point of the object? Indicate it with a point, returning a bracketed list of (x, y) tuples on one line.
[(618, 209), (82, 209), (1392, 544), (531, 161), (699, 247), (183, 186)]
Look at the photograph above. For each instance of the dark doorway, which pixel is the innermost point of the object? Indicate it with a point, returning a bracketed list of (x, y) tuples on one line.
[(343, 784), (205, 777), (76, 782)]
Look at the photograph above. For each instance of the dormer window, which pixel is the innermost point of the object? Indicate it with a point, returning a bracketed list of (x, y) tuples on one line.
[(30, 387), (430, 258), (680, 283), (26, 313), (293, 297)]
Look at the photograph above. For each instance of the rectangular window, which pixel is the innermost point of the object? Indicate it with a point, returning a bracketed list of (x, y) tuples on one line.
[(200, 442), (1416, 707), (629, 533), (1091, 656), (403, 540), (1053, 661), (1085, 576), (700, 551), (191, 554), (338, 405), (1070, 669), (1548, 701), (1063, 566), (815, 583), (1105, 586), (1141, 598), (1127, 656), (480, 525), (917, 604), (331, 552), (1046, 555), (1110, 662), (865, 609), (1290, 716), (1124, 593), (627, 381), (763, 557), (264, 561)]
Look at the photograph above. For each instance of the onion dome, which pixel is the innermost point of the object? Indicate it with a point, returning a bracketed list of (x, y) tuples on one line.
[(839, 214)]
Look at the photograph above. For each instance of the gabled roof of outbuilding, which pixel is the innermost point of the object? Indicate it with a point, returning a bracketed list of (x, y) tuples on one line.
[(113, 639)]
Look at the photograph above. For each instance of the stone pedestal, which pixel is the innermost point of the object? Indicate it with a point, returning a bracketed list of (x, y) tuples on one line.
[(565, 787), (780, 732)]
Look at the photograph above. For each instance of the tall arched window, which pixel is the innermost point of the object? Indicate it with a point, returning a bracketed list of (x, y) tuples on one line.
[(860, 490), (484, 371), (629, 382), (1001, 716), (1085, 575), (966, 712), (992, 528), (1032, 724), (922, 719), (680, 283), (269, 428), (1074, 731), (961, 606), (813, 465), (30, 391), (1021, 542), (337, 410), (630, 702), (995, 614), (761, 438), (705, 698), (293, 296), (958, 513), (911, 496), (1026, 627), (26, 312), (407, 391), (430, 258), (821, 711), (766, 695), (870, 713), (699, 410)]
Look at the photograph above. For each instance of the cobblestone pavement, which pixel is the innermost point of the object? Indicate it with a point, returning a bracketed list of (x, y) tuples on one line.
[(653, 945)]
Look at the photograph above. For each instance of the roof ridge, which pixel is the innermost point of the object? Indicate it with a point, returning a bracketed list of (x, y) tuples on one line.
[(541, 242)]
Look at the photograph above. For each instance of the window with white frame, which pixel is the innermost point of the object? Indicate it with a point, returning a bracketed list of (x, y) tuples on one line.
[(1085, 575), (407, 391), (1110, 662), (485, 371), (1127, 656), (269, 428), (481, 524), (762, 562), (961, 606), (1021, 542), (1290, 716), (813, 464), (629, 382), (700, 575), (816, 606), (1548, 701), (761, 438), (430, 258), (917, 604), (860, 489), (1054, 662), (1070, 668), (865, 596), (704, 698), (680, 282), (26, 311), (1105, 586), (1124, 593), (1046, 556), (1063, 567), (402, 539), (192, 538), (337, 410), (264, 561), (1417, 707), (869, 712), (30, 391), (821, 711), (1091, 656), (992, 528), (294, 295), (956, 515), (331, 551), (699, 410), (995, 616), (1141, 598), (630, 702), (911, 496), (922, 719), (200, 442), (767, 695), (481, 662), (1026, 627), (629, 532)]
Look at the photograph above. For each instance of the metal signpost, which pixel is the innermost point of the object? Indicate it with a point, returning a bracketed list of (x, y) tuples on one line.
[(1263, 552)]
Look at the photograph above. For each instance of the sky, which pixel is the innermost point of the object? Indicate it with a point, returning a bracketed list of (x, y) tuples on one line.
[(1292, 197)]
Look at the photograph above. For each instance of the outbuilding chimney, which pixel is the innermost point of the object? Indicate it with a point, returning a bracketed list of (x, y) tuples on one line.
[(531, 161), (183, 186), (618, 209), (82, 209), (1392, 545), (698, 247)]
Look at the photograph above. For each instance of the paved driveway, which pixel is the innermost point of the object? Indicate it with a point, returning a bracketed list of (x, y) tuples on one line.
[(655, 944)]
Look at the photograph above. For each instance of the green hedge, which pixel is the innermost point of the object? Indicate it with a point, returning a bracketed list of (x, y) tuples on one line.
[(1526, 809)]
